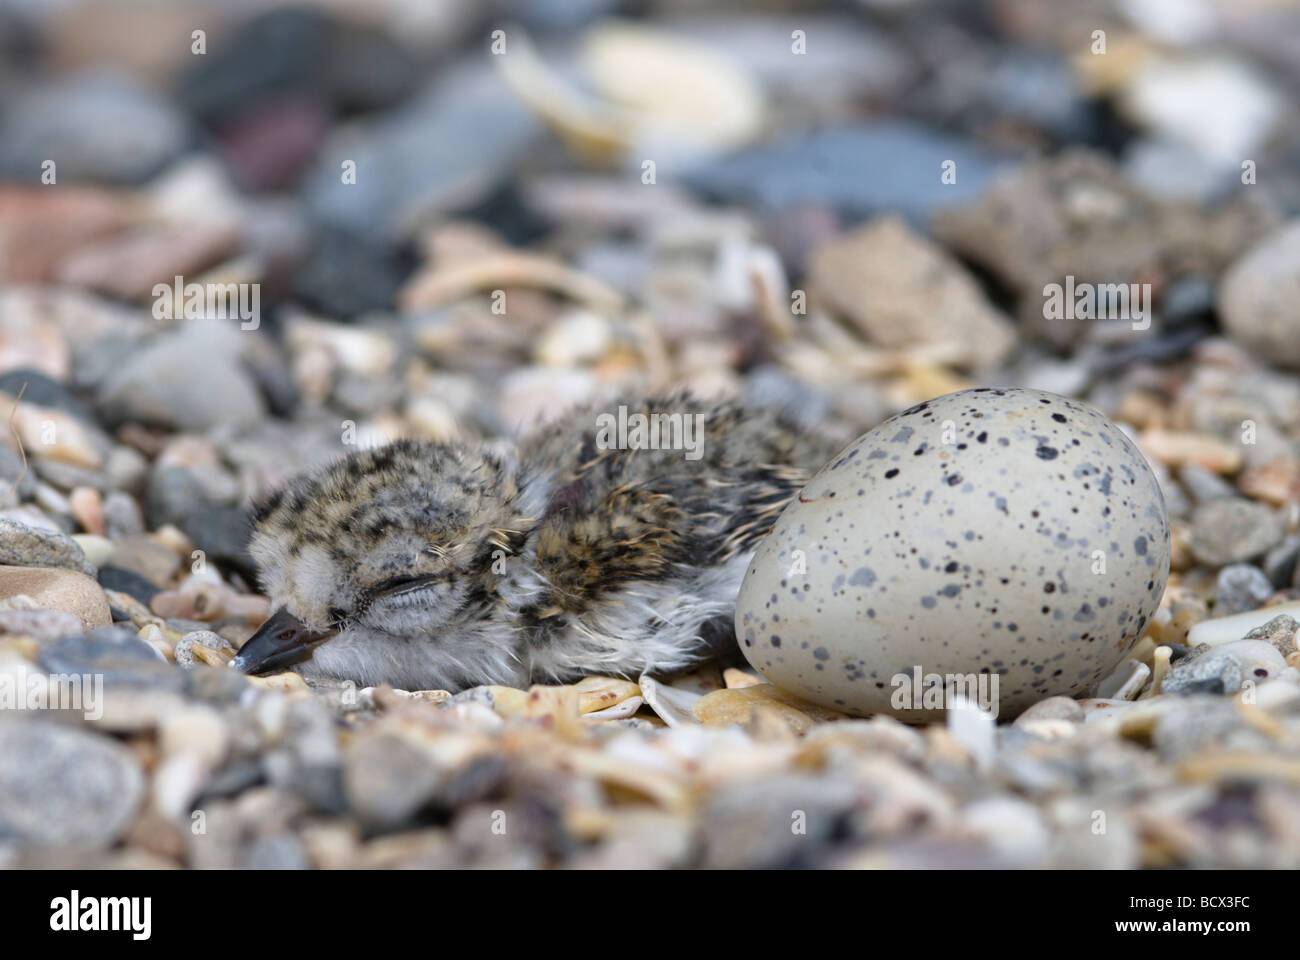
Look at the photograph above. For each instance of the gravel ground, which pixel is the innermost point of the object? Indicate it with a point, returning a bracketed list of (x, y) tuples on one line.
[(449, 226)]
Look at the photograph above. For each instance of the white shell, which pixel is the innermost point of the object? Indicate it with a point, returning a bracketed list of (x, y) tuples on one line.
[(672, 704), (1003, 531)]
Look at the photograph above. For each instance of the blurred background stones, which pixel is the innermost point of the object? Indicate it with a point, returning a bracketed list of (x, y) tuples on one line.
[(452, 220)]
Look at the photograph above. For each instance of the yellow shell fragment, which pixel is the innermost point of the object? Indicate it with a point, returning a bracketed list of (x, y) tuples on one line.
[(723, 707), (598, 693)]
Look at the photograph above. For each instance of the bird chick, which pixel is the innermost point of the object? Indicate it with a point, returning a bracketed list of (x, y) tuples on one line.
[(440, 566)]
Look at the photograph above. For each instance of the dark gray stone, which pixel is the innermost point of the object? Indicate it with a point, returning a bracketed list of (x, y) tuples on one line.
[(128, 582), (117, 653)]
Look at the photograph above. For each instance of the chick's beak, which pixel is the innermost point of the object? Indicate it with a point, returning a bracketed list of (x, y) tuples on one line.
[(278, 644)]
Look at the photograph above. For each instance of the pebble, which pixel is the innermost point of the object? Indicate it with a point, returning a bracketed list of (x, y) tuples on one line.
[(203, 646), (127, 662), (773, 823), (1202, 484), (900, 289), (1233, 531), (222, 534), (470, 106), (1240, 587), (1224, 668), (1218, 107), (1169, 171), (202, 597), (1257, 296), (1075, 214), (88, 510), (825, 168), (30, 345), (58, 589), (189, 380), (1195, 721), (53, 435), (98, 127), (198, 730), (292, 51), (1012, 828), (38, 228), (1180, 448), (388, 780), (1279, 631), (97, 549), (62, 786), (128, 267), (1276, 482), (344, 275), (145, 557)]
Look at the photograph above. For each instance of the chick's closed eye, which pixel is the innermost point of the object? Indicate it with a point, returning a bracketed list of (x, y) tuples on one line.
[(396, 586)]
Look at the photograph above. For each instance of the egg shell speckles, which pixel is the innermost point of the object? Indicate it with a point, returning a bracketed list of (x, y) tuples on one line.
[(1003, 531)]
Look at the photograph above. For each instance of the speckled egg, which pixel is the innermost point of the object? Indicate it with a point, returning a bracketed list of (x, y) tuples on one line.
[(1008, 532)]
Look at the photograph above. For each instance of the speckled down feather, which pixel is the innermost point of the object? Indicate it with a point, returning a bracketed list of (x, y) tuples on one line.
[(446, 566)]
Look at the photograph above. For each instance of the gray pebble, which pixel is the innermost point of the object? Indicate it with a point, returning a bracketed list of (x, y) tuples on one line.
[(122, 516), (205, 638), (1280, 632), (1233, 530), (1203, 485), (188, 380), (1212, 673), (60, 785), (282, 851), (1240, 587), (388, 781), (124, 660), (749, 825), (1223, 669), (101, 127), (24, 546), (1198, 722)]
